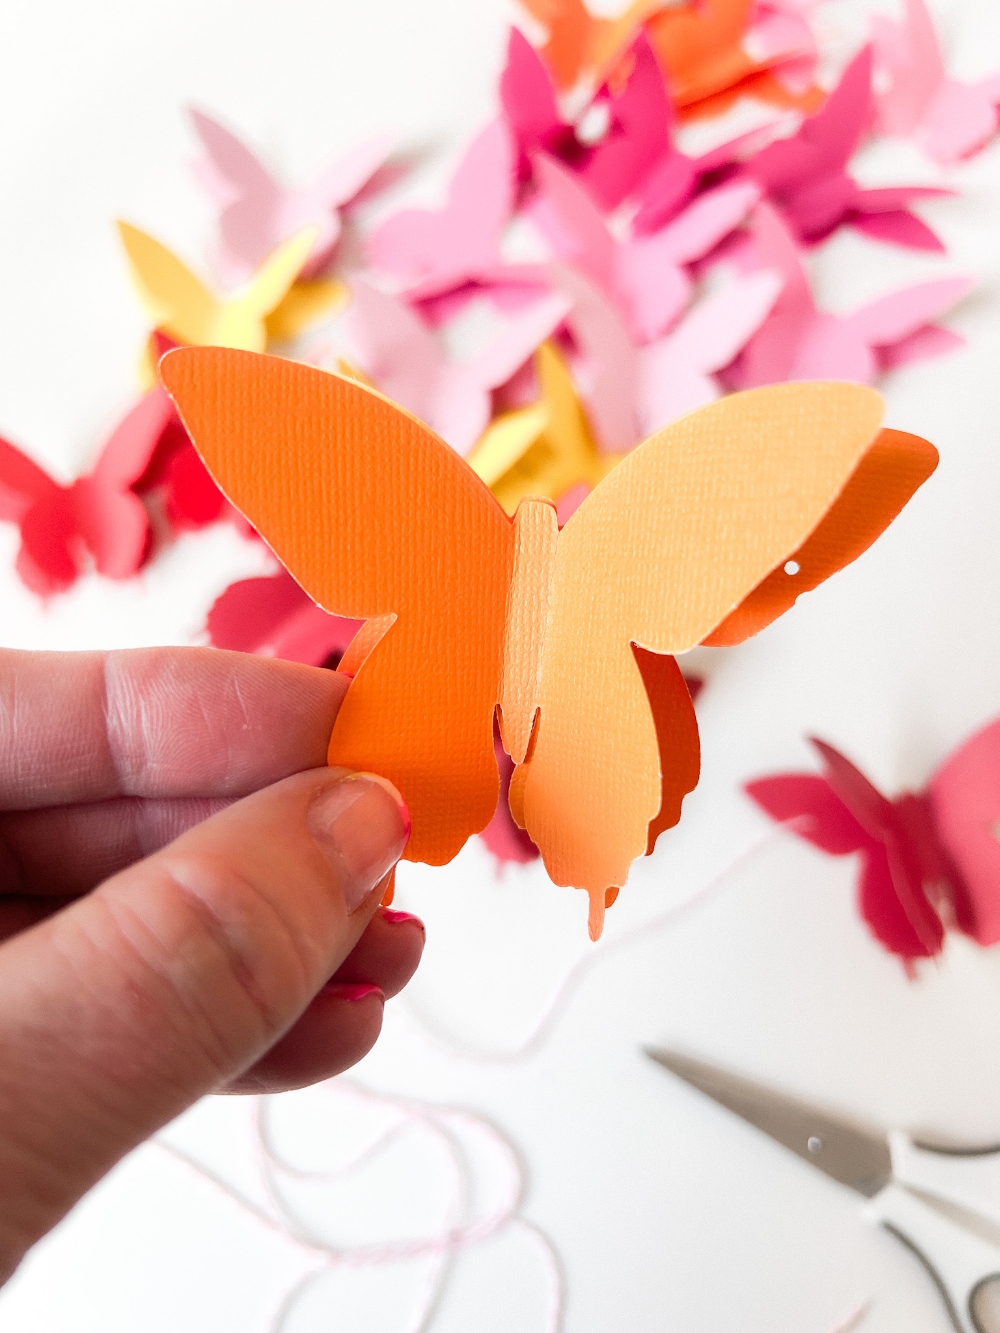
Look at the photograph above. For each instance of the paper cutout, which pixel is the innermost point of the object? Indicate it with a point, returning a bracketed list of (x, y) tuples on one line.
[(703, 51), (639, 116), (630, 391), (948, 119), (305, 304), (799, 342), (530, 107), (401, 355), (806, 175), (273, 617), (257, 215), (646, 277), (930, 860), (676, 178), (677, 374), (580, 44), (187, 312), (546, 450), (550, 450), (467, 612), (432, 251), (96, 518)]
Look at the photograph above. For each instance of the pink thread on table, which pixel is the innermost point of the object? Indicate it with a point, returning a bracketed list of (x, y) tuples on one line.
[(457, 1049), (442, 1247), (455, 1236)]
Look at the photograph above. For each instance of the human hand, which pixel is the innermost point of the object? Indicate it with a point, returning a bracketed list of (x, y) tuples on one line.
[(246, 952)]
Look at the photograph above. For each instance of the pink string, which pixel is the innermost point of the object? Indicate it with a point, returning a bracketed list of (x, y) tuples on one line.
[(440, 1248), (457, 1049), (441, 1123)]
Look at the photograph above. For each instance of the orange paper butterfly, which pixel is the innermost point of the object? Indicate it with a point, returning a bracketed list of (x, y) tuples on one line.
[(566, 634)]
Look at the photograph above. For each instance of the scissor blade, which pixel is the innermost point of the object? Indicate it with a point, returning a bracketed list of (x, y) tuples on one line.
[(851, 1153)]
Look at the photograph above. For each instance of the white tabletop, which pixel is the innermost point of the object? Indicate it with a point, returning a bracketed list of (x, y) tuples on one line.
[(665, 1214)]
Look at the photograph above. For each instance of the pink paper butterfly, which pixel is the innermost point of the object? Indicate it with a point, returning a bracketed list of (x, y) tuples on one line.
[(806, 176), (434, 252), (631, 391), (645, 277), (929, 860), (257, 213), (948, 119), (403, 356), (799, 342)]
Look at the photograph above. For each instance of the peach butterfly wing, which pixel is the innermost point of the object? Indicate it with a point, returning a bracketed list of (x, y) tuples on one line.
[(327, 471), (662, 552)]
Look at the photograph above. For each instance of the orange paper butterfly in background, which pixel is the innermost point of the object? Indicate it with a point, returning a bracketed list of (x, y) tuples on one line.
[(567, 635)]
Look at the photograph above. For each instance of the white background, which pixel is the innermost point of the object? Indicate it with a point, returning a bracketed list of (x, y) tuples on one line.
[(665, 1213)]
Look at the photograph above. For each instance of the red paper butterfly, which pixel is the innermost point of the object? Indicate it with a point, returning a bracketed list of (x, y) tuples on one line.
[(96, 518), (930, 860)]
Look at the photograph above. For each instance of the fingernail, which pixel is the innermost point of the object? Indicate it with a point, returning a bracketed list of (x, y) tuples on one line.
[(396, 918), (362, 826), (343, 990)]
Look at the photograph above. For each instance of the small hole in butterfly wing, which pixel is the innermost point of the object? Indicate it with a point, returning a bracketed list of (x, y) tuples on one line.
[(792, 567)]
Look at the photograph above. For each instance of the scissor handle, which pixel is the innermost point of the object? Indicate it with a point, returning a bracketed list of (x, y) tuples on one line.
[(969, 1179), (964, 1266)]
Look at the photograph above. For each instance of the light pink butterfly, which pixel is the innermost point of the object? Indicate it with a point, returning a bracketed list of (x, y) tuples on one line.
[(677, 373), (632, 391), (403, 356), (798, 341), (948, 119), (645, 277), (257, 214), (432, 253)]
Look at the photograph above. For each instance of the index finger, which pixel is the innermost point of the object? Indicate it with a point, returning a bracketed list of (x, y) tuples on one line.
[(157, 722)]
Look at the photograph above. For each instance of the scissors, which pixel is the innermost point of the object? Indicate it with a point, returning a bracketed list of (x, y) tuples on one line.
[(943, 1205)]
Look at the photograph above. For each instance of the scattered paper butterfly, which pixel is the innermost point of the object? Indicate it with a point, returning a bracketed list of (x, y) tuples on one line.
[(257, 215), (272, 617), (404, 358), (806, 175), (930, 860), (185, 310), (97, 518), (797, 341), (948, 119), (564, 634), (647, 277), (431, 252), (631, 391), (578, 43), (712, 56)]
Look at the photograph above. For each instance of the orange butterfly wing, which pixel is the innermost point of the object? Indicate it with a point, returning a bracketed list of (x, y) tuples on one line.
[(664, 549), (336, 479), (895, 466)]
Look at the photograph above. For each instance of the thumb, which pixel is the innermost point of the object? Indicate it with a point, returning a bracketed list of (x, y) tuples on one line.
[(173, 977)]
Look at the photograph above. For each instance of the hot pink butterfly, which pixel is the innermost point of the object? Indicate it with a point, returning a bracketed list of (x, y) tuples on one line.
[(806, 176), (930, 860)]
